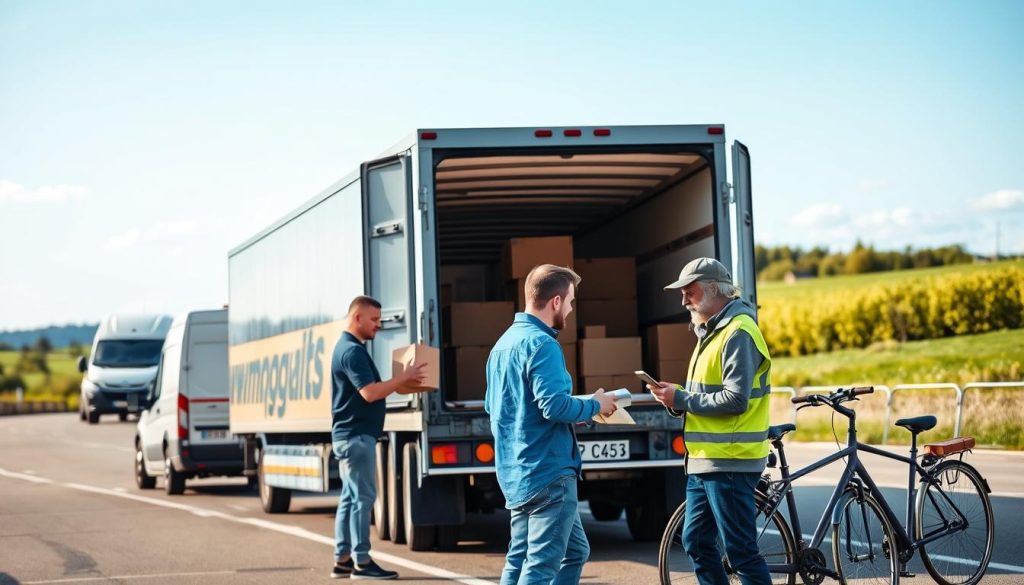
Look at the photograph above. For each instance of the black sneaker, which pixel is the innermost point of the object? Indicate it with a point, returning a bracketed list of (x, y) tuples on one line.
[(342, 569), (372, 570)]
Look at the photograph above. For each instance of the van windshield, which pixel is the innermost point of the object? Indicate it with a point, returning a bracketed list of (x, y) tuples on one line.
[(128, 353)]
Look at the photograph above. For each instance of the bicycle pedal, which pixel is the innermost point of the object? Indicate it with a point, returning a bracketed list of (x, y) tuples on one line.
[(908, 574)]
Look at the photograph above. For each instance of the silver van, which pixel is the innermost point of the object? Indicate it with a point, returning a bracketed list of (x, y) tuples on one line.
[(123, 362), (184, 431)]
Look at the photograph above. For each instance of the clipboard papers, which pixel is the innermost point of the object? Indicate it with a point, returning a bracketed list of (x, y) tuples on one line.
[(623, 398)]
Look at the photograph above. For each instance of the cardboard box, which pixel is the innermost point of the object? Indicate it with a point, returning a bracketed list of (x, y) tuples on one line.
[(606, 278), (612, 356), (631, 382), (671, 342), (595, 332), (416, 354), (516, 291), (523, 254), (617, 315), (467, 372), (671, 371), (477, 324)]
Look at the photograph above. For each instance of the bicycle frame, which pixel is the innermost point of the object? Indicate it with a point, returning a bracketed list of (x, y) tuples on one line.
[(856, 476)]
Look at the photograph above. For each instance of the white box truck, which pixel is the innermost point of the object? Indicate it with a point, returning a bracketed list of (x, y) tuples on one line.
[(437, 207)]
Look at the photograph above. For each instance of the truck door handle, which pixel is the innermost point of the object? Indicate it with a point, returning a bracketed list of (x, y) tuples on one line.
[(396, 318)]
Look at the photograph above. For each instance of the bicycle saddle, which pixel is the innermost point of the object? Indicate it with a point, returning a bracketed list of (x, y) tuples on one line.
[(776, 432), (918, 424)]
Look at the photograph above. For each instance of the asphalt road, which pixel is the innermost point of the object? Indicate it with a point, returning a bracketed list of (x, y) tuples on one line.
[(70, 513)]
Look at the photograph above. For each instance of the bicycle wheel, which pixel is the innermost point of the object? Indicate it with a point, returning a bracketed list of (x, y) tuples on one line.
[(863, 543), (957, 502), (775, 540)]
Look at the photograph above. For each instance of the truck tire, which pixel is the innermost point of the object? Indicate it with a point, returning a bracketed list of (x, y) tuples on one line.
[(175, 480), (648, 517), (605, 512), (418, 537), (396, 520), (275, 500), (380, 505), (143, 480)]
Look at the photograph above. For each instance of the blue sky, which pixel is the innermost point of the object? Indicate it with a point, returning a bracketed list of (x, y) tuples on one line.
[(139, 142)]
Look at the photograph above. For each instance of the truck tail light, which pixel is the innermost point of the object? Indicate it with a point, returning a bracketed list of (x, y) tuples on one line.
[(444, 454), (678, 446), (182, 416), (484, 453)]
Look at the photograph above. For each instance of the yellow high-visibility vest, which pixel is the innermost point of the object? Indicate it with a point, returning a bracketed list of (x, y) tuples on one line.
[(741, 436)]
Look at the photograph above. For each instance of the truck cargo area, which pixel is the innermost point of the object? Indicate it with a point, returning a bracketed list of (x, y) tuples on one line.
[(644, 212)]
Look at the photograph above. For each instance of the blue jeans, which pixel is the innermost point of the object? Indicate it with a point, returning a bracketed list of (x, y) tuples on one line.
[(721, 505), (357, 461), (548, 543)]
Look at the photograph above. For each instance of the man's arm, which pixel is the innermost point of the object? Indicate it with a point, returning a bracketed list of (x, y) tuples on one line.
[(740, 361), (360, 371), (552, 387)]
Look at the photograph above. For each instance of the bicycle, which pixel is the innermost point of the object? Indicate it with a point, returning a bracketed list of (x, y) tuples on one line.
[(949, 513)]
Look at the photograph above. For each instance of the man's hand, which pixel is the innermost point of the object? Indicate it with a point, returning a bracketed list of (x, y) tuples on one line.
[(607, 402), (413, 375), (664, 392)]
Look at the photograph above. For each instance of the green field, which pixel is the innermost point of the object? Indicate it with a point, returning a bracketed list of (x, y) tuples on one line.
[(806, 289), (61, 384), (991, 416)]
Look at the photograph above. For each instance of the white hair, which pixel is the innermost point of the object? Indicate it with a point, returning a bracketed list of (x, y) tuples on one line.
[(720, 289)]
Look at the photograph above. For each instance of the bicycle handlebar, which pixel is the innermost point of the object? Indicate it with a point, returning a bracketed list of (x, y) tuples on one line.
[(840, 395)]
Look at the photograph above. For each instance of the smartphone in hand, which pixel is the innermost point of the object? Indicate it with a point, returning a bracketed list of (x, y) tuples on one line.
[(647, 378)]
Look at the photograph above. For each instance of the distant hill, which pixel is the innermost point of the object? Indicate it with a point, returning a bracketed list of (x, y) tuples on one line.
[(59, 336)]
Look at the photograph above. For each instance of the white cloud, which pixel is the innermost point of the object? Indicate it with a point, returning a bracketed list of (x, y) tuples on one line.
[(162, 232), (11, 192), (1000, 200), (899, 218), (821, 215)]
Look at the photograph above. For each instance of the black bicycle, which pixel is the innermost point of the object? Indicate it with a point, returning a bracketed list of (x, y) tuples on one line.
[(949, 514)]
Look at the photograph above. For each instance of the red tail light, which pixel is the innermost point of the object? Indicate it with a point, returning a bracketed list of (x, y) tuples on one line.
[(678, 446), (182, 416), (428, 135), (484, 453), (444, 454)]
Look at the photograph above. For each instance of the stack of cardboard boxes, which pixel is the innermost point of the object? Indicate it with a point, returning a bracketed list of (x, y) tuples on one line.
[(610, 350), (669, 348), (521, 255), (471, 330)]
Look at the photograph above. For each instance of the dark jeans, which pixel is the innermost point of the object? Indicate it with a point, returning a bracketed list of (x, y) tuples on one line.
[(721, 505)]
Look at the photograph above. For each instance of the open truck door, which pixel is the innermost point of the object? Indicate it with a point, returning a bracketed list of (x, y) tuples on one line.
[(387, 256), (746, 272)]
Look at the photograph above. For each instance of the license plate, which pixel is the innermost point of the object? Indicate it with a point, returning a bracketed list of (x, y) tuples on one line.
[(605, 450), (214, 434), (120, 404)]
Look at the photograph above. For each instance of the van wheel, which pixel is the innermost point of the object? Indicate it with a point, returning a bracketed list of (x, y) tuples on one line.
[(275, 500), (122, 416), (143, 480), (81, 411), (380, 505), (93, 417), (418, 537), (175, 484)]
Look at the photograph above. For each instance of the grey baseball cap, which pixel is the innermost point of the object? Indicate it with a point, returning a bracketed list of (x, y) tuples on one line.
[(704, 270)]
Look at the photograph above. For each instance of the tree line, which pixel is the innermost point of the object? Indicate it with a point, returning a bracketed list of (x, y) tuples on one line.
[(776, 262)]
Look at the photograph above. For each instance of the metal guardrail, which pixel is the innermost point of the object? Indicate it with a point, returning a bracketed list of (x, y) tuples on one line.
[(904, 387), (979, 386), (12, 408), (792, 394)]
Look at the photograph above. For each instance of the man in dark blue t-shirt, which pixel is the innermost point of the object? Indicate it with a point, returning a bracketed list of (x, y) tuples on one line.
[(357, 413)]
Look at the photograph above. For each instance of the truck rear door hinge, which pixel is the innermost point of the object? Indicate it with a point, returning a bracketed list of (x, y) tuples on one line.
[(423, 198), (728, 193)]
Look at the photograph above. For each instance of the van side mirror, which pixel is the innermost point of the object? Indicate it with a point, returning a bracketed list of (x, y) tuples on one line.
[(83, 364), (150, 391)]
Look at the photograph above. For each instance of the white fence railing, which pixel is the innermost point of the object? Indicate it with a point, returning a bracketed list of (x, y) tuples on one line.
[(957, 391)]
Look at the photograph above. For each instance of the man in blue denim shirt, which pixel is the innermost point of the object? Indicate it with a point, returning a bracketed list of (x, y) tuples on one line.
[(357, 413), (529, 398)]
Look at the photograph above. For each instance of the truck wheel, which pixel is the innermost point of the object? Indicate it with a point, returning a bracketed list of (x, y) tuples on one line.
[(143, 480), (275, 500), (396, 520), (605, 512), (175, 484), (380, 505), (93, 417), (418, 537)]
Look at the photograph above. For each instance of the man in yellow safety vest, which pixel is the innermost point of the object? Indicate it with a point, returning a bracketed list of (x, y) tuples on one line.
[(725, 404)]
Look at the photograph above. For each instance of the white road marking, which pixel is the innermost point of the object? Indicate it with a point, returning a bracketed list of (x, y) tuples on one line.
[(258, 522), (128, 577), (29, 471), (238, 508)]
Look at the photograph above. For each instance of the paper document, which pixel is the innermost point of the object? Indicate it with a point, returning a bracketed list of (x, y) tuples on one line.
[(620, 416)]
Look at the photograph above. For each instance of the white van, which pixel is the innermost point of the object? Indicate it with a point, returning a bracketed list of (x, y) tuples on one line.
[(184, 432), (118, 372)]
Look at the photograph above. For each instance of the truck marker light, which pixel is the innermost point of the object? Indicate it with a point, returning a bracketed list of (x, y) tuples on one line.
[(428, 135), (602, 132), (678, 447), (542, 133), (572, 133), (444, 454), (484, 453), (716, 130), (182, 416)]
